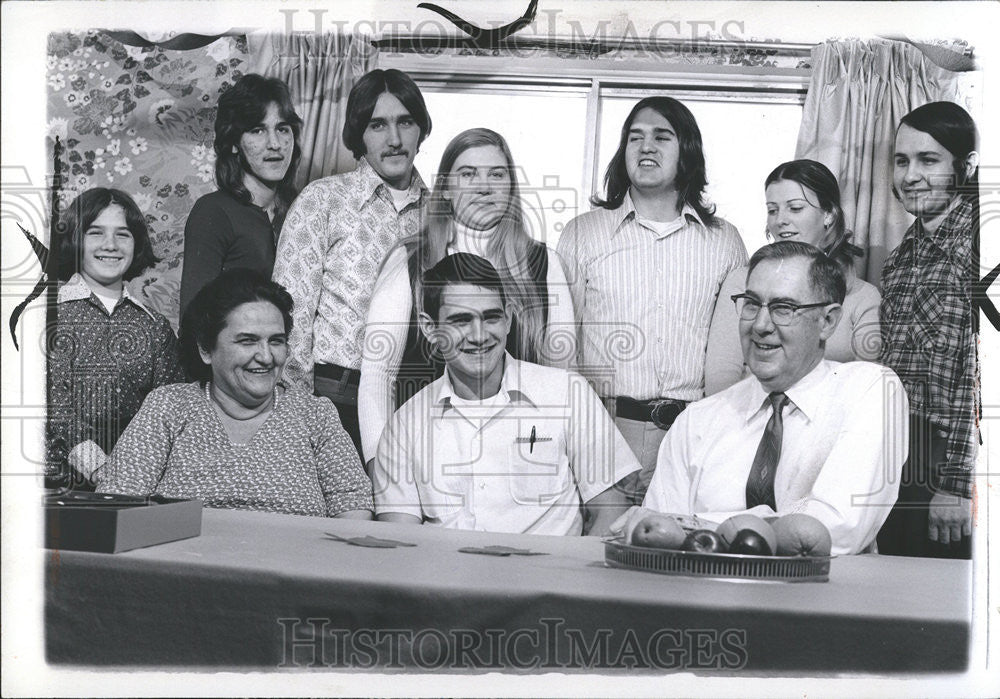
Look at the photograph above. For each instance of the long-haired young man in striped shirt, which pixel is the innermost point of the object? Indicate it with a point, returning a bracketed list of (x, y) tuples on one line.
[(645, 268)]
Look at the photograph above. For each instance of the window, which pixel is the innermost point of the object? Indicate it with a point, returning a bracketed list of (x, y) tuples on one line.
[(563, 127), (743, 142)]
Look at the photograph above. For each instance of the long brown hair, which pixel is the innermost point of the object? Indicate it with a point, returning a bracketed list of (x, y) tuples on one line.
[(242, 107), (691, 177)]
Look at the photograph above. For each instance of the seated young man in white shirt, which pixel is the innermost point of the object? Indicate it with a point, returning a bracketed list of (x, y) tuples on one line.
[(840, 440), (496, 444)]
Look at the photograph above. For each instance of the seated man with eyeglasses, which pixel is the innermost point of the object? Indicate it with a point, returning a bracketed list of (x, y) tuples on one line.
[(802, 434)]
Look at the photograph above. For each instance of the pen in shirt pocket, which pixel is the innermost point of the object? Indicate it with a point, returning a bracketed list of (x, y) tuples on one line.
[(532, 439)]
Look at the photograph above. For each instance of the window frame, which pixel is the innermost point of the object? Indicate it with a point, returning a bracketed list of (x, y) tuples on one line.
[(600, 78)]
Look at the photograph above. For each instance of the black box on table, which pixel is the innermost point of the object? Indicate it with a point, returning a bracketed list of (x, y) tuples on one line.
[(109, 523)]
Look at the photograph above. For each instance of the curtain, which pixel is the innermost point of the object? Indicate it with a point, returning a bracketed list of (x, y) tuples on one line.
[(320, 71), (859, 92), (140, 118)]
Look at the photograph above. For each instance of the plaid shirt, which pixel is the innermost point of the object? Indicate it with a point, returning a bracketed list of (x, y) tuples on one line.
[(928, 338)]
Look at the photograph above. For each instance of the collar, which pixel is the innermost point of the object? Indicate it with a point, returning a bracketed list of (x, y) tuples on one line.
[(954, 224), (371, 181), (76, 289), (511, 387), (802, 394), (464, 239), (627, 212)]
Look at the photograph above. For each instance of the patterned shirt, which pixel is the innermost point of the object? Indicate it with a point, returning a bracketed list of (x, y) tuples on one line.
[(927, 333), (101, 366), (299, 462), (644, 299), (335, 237)]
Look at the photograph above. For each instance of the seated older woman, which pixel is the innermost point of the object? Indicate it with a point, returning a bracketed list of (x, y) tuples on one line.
[(237, 438)]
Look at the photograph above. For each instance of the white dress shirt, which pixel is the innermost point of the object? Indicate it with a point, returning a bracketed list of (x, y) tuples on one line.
[(844, 444), (522, 461)]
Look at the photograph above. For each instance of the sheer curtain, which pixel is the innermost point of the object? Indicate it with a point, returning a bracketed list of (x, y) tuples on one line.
[(859, 92), (320, 70)]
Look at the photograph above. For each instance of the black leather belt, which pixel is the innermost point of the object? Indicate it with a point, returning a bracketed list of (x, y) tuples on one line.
[(660, 411), (335, 372)]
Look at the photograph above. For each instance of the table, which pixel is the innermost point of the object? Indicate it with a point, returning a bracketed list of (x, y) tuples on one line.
[(270, 591)]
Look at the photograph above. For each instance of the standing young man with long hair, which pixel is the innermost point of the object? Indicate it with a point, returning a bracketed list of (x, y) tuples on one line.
[(645, 268)]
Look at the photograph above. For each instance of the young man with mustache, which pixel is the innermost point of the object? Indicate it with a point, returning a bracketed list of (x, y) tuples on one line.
[(496, 444), (803, 433), (339, 230), (644, 270)]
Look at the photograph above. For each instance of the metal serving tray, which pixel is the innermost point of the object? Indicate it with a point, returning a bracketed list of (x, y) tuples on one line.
[(618, 554)]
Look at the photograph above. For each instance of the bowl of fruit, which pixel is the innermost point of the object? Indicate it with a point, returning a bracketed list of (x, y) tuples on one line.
[(792, 548)]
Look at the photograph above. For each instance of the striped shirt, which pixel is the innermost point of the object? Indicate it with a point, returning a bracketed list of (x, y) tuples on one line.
[(644, 299), (335, 237)]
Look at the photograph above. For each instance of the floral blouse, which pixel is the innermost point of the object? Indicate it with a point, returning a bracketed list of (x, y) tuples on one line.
[(301, 460)]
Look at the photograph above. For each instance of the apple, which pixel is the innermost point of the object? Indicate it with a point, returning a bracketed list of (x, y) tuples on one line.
[(658, 532), (703, 541), (802, 535), (747, 541), (732, 526)]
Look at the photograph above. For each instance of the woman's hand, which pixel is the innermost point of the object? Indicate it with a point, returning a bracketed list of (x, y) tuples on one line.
[(355, 514), (87, 458)]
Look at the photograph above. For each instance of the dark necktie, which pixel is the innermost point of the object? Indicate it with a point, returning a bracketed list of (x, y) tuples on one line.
[(760, 484)]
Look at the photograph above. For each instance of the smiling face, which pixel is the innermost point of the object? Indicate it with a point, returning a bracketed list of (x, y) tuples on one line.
[(250, 353), (794, 213), (781, 355), (267, 148), (923, 173), (479, 187), (107, 249), (391, 140), (471, 334), (652, 152)]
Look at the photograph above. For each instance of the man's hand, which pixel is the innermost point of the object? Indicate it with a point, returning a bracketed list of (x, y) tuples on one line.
[(602, 511), (627, 522), (87, 457), (949, 518)]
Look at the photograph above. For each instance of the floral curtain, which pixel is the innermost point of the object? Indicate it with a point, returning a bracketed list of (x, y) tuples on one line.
[(858, 93), (141, 119)]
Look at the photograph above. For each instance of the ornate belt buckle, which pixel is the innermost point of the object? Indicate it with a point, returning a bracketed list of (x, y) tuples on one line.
[(664, 413)]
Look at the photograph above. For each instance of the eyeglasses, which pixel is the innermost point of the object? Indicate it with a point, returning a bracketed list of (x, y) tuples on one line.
[(781, 312)]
